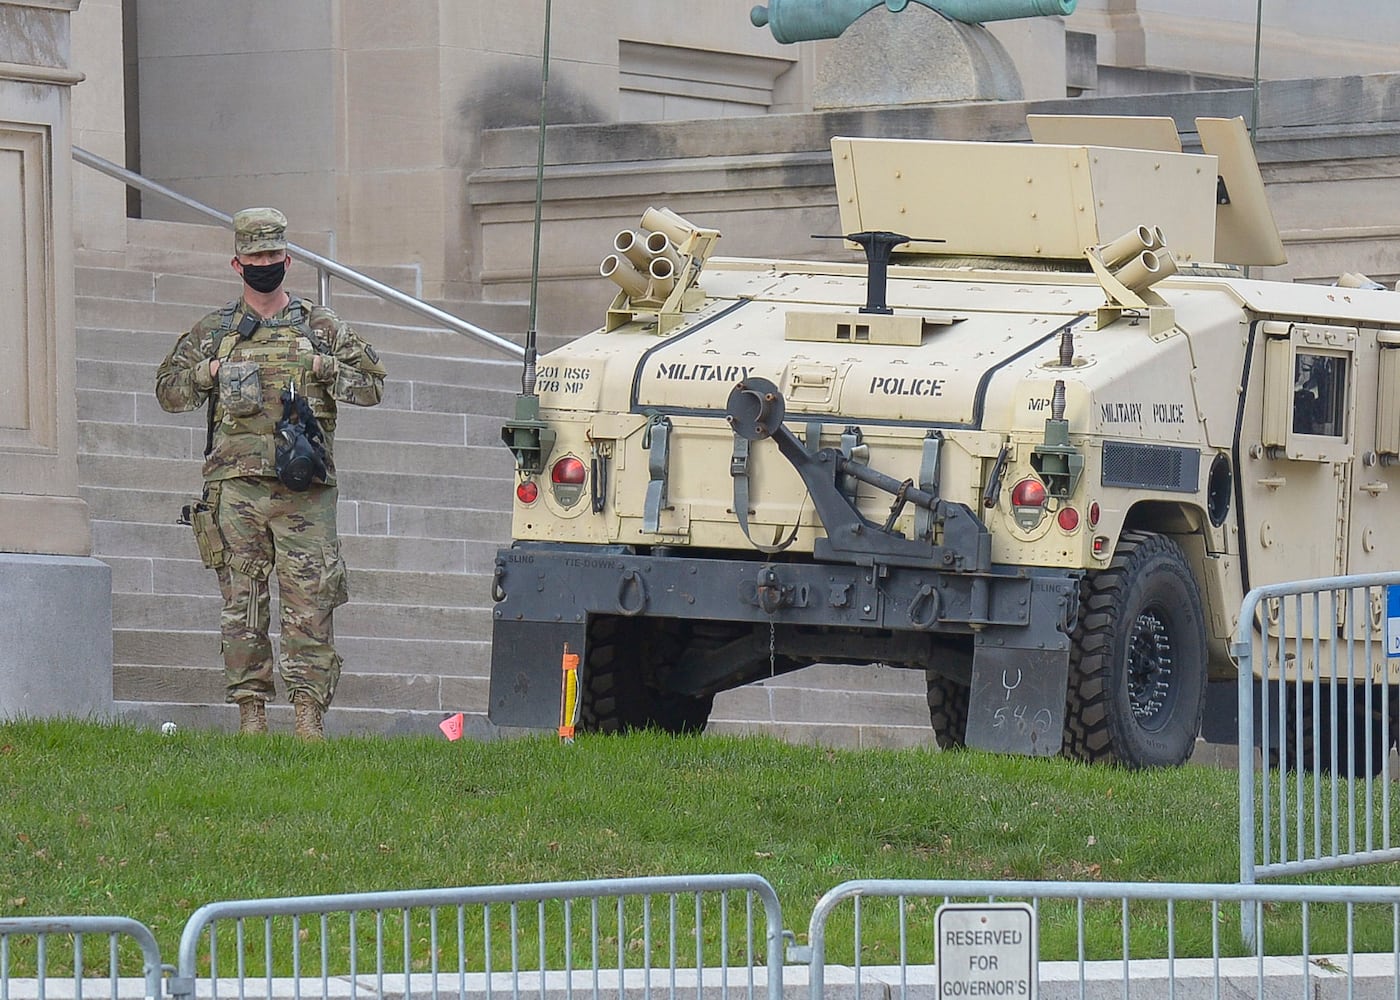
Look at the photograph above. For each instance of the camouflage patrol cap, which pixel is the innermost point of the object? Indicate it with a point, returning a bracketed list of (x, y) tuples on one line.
[(259, 229)]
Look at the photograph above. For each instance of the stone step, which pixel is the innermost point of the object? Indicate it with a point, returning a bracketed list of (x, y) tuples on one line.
[(148, 347), (425, 494), (153, 575), (205, 250), (137, 441), (469, 396), (420, 698), (100, 282), (163, 542), (138, 406), (411, 457), (421, 690), (173, 319), (163, 234), (505, 319), (356, 516), (357, 618), (203, 293), (199, 648), (403, 357), (351, 454), (449, 488), (393, 343), (402, 553), (163, 573)]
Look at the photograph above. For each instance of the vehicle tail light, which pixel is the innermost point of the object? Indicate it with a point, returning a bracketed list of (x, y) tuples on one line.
[(527, 491), (1094, 514), (566, 479), (1067, 518), (1028, 503), (568, 470), (1029, 492)]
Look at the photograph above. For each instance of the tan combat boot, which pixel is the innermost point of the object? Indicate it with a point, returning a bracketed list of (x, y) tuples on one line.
[(252, 715), (308, 718)]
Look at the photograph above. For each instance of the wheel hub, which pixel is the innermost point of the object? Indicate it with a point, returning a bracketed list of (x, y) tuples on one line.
[(1150, 666)]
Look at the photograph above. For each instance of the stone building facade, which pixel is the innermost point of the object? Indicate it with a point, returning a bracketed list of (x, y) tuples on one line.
[(373, 123), (405, 138)]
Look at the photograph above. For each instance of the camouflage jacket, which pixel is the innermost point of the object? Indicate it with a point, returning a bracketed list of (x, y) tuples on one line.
[(253, 373)]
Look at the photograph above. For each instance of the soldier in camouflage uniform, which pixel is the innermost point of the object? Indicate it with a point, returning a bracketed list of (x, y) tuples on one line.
[(239, 360)]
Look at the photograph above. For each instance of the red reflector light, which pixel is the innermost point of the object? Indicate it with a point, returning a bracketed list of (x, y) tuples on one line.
[(1068, 518), (1028, 493), (1100, 545), (1094, 514), (568, 470), (527, 492)]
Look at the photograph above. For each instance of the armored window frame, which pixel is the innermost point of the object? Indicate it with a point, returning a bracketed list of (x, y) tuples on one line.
[(1320, 384), (1309, 391)]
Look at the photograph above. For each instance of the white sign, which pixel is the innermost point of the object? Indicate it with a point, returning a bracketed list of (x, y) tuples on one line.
[(986, 950), (1392, 621)]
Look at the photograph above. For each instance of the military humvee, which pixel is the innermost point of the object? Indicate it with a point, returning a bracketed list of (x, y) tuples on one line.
[(1038, 444)]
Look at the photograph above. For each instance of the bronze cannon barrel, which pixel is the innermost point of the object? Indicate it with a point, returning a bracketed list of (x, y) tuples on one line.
[(804, 20)]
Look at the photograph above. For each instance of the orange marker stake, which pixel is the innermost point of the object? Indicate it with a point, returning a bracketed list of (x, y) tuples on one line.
[(568, 696)]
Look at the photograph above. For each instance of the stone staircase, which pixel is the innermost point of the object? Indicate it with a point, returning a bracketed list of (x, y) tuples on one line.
[(425, 487), (424, 490)]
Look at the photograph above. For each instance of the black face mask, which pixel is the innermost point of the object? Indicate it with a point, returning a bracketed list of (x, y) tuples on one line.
[(264, 277)]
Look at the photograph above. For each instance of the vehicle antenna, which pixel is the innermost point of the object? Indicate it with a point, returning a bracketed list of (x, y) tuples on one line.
[(1254, 100), (1258, 36), (527, 382), (528, 437)]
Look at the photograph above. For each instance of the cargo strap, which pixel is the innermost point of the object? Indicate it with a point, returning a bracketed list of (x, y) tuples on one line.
[(924, 519), (657, 440), (223, 347), (739, 472)]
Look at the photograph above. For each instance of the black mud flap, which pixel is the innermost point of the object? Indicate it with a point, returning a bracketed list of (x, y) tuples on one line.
[(527, 671), (1017, 702), (1020, 676)]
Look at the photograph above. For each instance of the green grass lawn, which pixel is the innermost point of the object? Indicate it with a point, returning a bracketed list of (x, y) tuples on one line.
[(117, 820)]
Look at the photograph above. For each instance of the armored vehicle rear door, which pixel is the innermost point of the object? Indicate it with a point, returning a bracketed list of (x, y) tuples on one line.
[(1296, 483), (1374, 542)]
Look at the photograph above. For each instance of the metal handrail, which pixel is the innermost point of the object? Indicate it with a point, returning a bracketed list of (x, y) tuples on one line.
[(325, 267)]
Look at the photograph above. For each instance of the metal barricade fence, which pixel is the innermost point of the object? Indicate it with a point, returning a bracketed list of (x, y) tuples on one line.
[(27, 953), (587, 938), (1105, 939), (1323, 713)]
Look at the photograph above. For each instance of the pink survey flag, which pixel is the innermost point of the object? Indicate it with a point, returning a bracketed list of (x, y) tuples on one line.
[(452, 726)]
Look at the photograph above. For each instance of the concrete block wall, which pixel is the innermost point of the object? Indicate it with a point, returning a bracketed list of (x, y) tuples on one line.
[(1329, 150)]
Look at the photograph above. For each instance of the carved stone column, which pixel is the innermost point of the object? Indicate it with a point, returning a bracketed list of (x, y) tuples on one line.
[(55, 599)]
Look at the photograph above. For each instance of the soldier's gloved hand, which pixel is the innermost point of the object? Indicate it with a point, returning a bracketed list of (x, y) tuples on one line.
[(206, 372), (324, 367)]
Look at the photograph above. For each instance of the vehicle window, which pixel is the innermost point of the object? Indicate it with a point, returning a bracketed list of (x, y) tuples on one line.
[(1319, 394)]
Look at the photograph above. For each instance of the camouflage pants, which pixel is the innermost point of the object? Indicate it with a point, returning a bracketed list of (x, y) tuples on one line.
[(265, 527)]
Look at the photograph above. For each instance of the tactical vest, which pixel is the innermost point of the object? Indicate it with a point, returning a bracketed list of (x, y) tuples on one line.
[(247, 399)]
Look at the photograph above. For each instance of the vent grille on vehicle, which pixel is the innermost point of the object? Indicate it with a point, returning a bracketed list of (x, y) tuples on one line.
[(1151, 466)]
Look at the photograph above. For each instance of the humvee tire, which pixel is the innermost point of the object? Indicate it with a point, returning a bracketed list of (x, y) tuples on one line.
[(1138, 662), (616, 687), (1365, 731), (1357, 732), (947, 710)]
